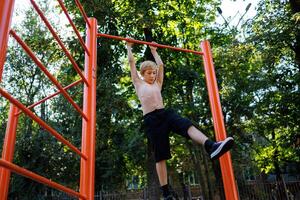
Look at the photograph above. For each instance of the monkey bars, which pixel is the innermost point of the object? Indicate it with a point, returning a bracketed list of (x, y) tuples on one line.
[(89, 103), (88, 113), (148, 43), (215, 105)]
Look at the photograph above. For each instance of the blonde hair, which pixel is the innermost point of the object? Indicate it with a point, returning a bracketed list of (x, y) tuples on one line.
[(147, 65)]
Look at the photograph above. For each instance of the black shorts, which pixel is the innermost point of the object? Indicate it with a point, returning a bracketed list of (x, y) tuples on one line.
[(158, 125)]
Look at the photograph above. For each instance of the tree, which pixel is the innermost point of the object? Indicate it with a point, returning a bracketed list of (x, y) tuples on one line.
[(130, 18), (36, 149), (278, 98), (258, 76), (259, 88)]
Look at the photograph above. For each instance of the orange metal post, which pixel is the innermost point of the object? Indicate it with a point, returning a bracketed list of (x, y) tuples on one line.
[(148, 43), (33, 176), (52, 95), (8, 150), (6, 10), (219, 127), (41, 122), (59, 41), (87, 169), (46, 72), (85, 17), (73, 26)]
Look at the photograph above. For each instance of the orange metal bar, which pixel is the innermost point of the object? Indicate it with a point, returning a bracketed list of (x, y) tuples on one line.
[(8, 150), (149, 43), (73, 26), (24, 172), (58, 40), (87, 167), (52, 95), (83, 13), (41, 122), (219, 127), (6, 10), (47, 73)]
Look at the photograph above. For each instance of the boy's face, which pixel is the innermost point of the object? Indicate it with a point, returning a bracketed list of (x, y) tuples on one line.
[(150, 75)]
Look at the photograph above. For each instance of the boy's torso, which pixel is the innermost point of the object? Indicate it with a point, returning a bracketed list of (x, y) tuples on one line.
[(149, 96)]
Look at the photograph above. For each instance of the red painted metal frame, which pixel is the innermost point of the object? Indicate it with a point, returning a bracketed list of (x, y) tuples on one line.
[(58, 40), (6, 10), (211, 81), (47, 73), (149, 43), (83, 13), (87, 167), (87, 170), (8, 150), (24, 172), (52, 95), (41, 122), (218, 119), (73, 26), (88, 113)]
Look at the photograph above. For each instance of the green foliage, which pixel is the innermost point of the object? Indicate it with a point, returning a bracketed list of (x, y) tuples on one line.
[(257, 71), (260, 88), (276, 113), (36, 149)]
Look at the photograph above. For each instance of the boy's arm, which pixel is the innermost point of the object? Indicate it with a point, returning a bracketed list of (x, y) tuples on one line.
[(133, 72), (160, 64)]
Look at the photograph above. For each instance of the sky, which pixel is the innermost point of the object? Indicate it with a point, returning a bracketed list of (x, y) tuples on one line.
[(231, 10)]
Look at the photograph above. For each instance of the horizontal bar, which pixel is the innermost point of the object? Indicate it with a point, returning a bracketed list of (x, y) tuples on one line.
[(73, 26), (29, 174), (41, 122), (83, 13), (59, 41), (50, 96), (47, 73), (149, 43)]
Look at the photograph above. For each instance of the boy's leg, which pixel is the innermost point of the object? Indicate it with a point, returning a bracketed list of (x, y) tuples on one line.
[(197, 135), (161, 169), (214, 149)]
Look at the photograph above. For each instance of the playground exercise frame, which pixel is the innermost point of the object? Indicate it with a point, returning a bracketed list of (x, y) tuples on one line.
[(88, 113)]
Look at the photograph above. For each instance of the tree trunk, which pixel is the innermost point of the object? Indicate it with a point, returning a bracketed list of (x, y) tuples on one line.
[(210, 189), (43, 111), (281, 186), (295, 7), (199, 151), (200, 171), (152, 179), (219, 182)]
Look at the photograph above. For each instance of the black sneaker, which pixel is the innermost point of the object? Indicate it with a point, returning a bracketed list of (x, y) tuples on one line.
[(219, 148), (169, 197)]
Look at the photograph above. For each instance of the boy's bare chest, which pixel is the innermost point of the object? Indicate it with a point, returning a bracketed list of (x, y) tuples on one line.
[(148, 91)]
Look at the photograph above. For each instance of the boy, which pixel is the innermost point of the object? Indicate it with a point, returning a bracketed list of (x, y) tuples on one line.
[(160, 121)]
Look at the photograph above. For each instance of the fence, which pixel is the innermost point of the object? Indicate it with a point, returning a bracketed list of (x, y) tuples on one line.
[(247, 191), (270, 191)]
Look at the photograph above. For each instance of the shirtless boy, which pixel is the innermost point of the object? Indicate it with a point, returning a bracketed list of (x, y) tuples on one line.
[(159, 122)]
